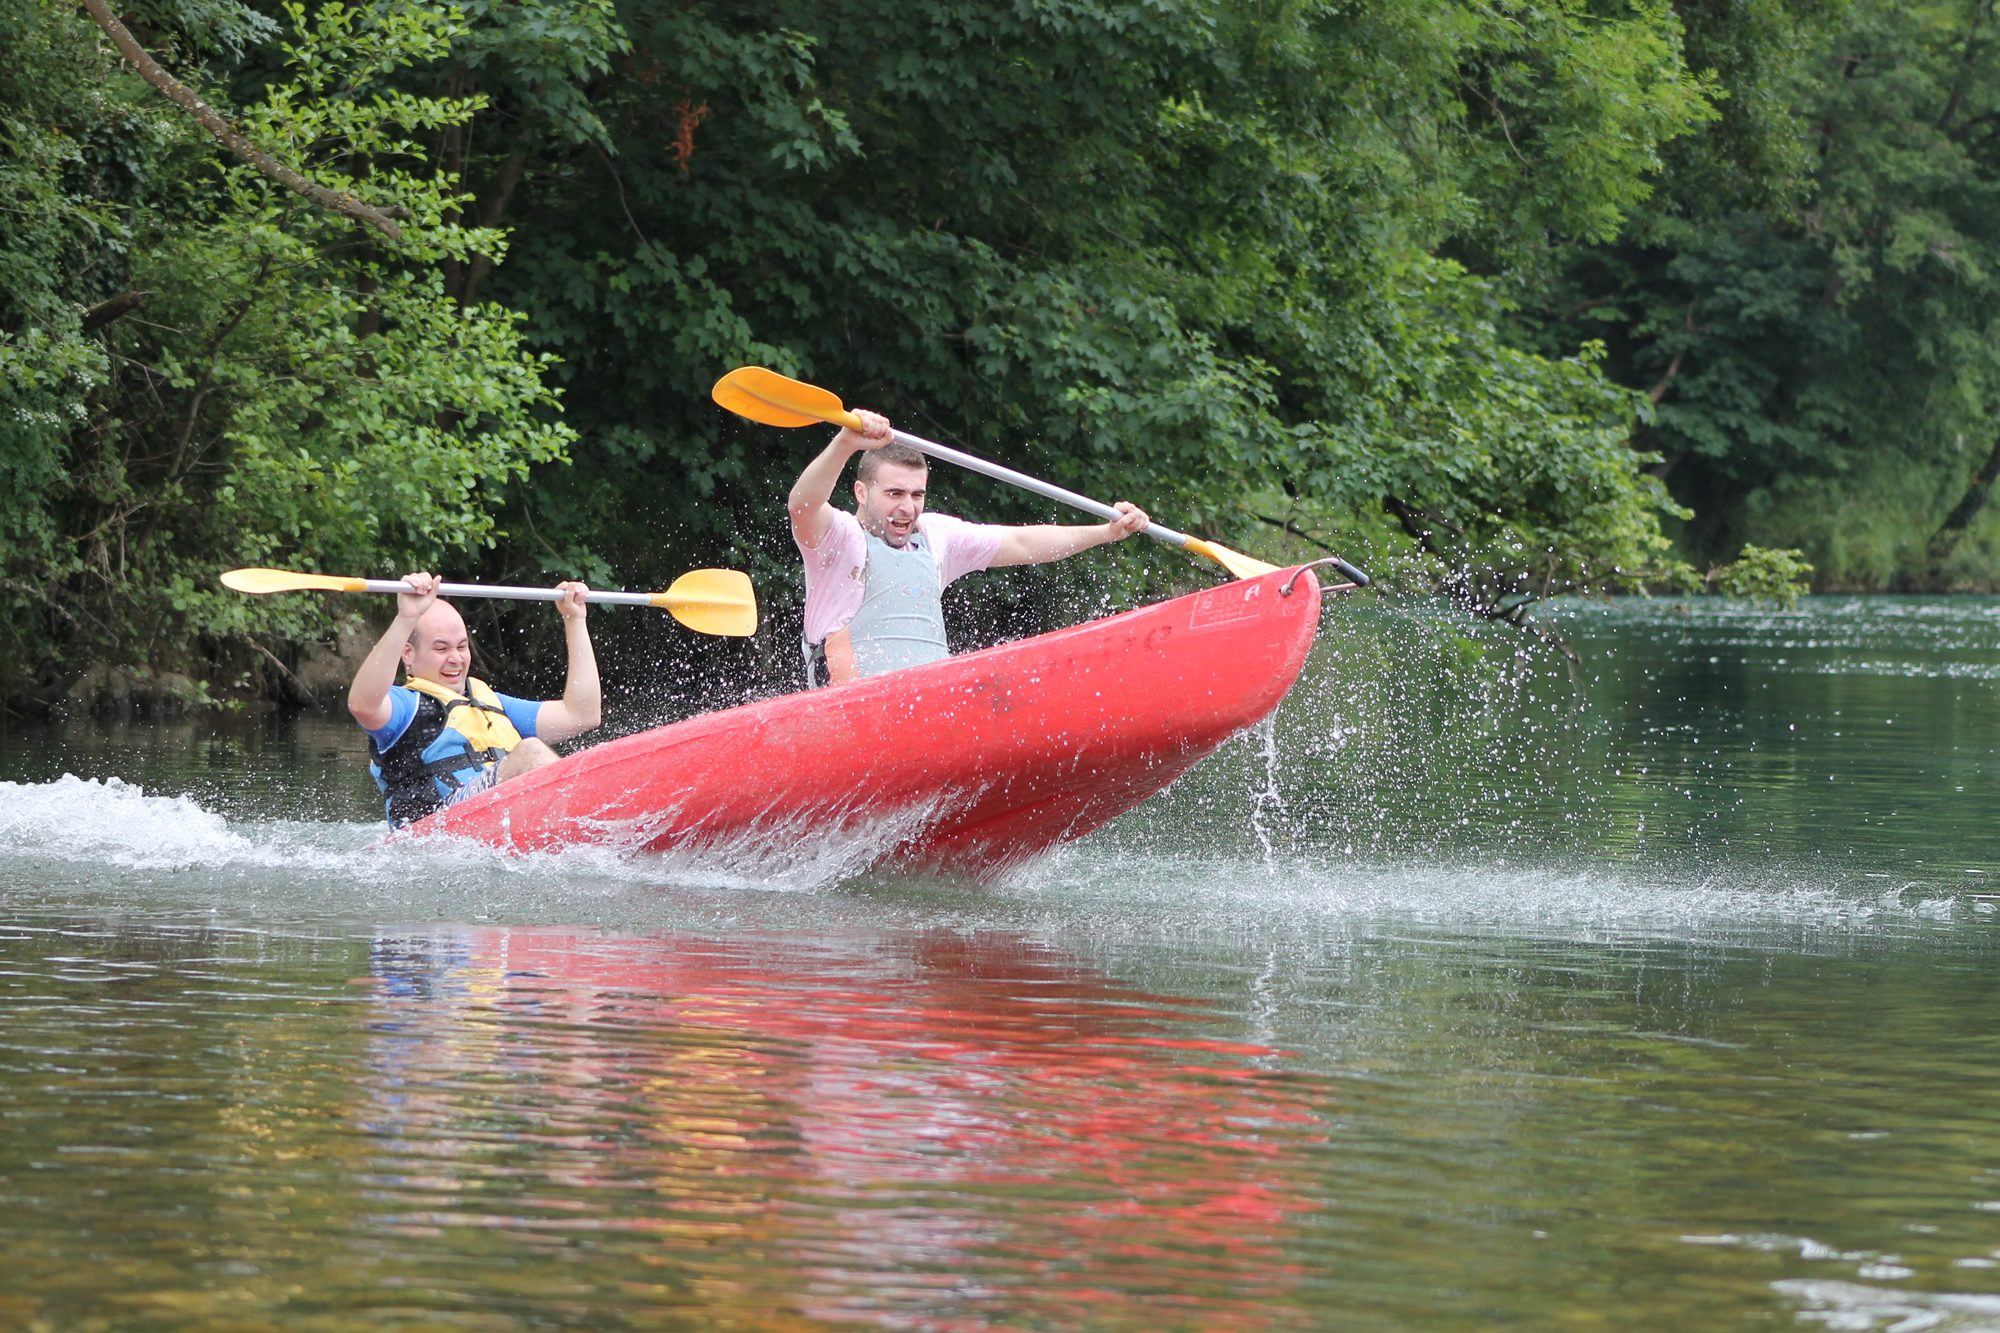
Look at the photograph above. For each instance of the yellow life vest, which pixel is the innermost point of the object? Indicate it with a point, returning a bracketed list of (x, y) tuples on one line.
[(475, 715)]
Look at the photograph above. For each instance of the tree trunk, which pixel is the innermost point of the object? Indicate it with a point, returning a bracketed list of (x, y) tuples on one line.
[(1946, 539), (451, 161), (497, 199)]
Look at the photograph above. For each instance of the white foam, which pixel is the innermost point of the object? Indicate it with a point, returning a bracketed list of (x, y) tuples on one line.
[(1855, 1307), (113, 822)]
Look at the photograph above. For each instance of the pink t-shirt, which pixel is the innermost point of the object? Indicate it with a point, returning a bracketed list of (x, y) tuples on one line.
[(833, 568)]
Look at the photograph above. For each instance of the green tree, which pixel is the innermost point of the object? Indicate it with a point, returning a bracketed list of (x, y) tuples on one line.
[(1257, 267), (297, 391), (1826, 359), (1194, 254)]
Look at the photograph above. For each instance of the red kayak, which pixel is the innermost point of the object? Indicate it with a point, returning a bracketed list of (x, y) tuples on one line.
[(971, 764)]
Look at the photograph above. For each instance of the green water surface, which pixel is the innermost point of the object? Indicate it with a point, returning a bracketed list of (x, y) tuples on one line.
[(1483, 990)]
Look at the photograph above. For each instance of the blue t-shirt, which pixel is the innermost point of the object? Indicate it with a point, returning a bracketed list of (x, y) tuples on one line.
[(403, 711)]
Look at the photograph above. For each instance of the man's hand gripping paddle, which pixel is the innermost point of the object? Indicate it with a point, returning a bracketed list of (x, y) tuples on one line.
[(708, 601), (768, 397)]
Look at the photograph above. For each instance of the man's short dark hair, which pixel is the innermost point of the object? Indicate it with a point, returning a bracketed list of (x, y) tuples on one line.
[(874, 460)]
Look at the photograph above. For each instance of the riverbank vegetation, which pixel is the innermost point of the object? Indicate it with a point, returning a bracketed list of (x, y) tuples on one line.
[(1505, 301)]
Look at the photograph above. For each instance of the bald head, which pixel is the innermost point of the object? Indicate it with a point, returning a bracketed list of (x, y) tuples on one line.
[(439, 649), (442, 619)]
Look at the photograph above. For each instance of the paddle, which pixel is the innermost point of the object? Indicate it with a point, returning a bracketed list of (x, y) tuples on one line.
[(708, 601), (768, 397)]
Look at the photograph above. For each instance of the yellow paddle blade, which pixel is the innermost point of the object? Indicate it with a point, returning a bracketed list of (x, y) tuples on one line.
[(713, 601), (1239, 565), (766, 396), (284, 580)]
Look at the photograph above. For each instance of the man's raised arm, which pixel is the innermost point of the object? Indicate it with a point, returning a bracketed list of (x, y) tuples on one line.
[(580, 709), (368, 696), (812, 514), (1050, 541)]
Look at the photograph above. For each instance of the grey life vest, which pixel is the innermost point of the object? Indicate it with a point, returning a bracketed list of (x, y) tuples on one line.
[(901, 620)]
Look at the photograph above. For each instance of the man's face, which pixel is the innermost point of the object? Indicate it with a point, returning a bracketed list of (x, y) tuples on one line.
[(888, 506), (440, 650)]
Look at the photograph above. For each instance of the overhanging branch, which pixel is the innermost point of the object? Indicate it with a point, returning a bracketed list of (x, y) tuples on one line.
[(104, 312), (184, 97), (1292, 528)]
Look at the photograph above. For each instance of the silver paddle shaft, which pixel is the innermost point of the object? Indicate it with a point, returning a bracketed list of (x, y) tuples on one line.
[(1035, 484), (511, 594)]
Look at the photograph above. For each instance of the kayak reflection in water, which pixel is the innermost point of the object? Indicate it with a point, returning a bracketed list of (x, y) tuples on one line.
[(875, 578), (443, 734)]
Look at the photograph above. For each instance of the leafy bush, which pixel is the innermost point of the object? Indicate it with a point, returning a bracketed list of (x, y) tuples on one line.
[(1762, 575)]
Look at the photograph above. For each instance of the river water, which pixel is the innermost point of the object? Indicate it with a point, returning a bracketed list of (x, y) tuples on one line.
[(1483, 990)]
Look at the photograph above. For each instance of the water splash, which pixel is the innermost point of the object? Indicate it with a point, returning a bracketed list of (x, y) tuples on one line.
[(1269, 801), (92, 823), (1399, 782), (112, 822)]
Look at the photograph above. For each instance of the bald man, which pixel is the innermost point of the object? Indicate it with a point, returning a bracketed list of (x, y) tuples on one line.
[(443, 735)]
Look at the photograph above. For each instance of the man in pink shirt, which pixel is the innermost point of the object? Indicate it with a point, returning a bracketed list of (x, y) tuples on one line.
[(875, 578)]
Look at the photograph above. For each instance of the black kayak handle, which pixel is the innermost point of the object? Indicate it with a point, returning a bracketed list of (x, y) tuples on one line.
[(1354, 576), (1359, 579)]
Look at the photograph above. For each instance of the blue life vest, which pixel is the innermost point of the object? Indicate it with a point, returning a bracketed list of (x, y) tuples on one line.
[(452, 739)]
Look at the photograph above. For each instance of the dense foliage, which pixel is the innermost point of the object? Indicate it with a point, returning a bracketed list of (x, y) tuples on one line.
[(1185, 253), (204, 370), (1452, 287), (1826, 361)]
